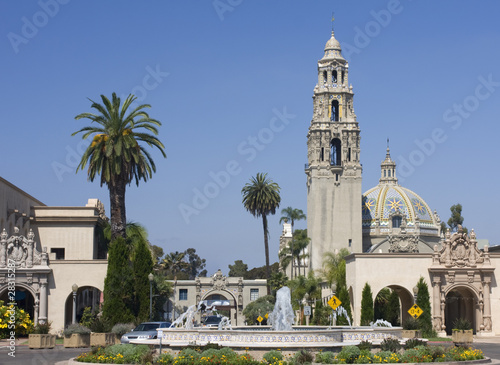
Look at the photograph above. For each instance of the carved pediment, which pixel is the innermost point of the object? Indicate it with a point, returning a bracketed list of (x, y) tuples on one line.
[(460, 250), (403, 243), (219, 281), (19, 250)]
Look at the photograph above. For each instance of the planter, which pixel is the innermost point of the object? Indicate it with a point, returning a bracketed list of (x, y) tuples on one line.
[(45, 341), (77, 340), (102, 339), (411, 334), (462, 336)]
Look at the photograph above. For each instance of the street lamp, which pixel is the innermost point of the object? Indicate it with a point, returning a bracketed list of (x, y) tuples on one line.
[(415, 293), (151, 278), (74, 287)]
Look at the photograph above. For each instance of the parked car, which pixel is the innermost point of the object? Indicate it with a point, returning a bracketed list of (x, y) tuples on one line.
[(144, 331), (212, 321)]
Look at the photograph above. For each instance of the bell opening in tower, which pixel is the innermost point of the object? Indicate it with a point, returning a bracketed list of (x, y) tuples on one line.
[(335, 155), (335, 111)]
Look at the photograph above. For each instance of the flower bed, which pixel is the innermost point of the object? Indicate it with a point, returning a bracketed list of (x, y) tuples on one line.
[(131, 354)]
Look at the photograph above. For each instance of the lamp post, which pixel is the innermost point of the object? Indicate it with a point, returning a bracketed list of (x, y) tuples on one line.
[(74, 287), (151, 278), (415, 293)]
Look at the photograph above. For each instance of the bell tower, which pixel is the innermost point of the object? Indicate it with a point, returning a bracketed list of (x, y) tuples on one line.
[(333, 169)]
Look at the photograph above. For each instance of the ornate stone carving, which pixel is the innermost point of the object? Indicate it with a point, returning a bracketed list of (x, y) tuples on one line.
[(219, 281), (403, 243), (459, 250), (18, 249)]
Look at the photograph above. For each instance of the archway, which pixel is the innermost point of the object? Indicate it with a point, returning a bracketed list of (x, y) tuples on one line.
[(87, 296), (224, 303), (460, 303), (23, 298)]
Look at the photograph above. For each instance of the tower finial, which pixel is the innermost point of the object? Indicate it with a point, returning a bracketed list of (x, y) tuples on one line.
[(387, 142), (333, 18)]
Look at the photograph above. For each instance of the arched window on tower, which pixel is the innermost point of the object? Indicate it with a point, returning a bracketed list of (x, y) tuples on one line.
[(334, 76), (396, 222), (335, 111), (343, 75), (335, 154), (325, 77)]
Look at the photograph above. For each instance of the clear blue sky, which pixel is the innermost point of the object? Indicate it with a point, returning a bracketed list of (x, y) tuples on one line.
[(215, 75)]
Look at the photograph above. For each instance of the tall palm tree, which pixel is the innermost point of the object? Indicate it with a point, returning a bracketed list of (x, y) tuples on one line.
[(291, 215), (174, 262), (261, 197), (332, 267), (300, 243), (115, 153)]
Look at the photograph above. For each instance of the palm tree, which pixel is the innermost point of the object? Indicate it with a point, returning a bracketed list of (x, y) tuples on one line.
[(295, 253), (332, 267), (261, 197), (291, 215), (174, 262), (115, 153)]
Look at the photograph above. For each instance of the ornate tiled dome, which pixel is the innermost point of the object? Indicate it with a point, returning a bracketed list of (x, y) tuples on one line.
[(385, 200), (333, 50), (389, 199), (332, 44)]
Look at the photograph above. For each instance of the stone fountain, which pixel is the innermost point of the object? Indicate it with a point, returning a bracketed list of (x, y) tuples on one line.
[(280, 335)]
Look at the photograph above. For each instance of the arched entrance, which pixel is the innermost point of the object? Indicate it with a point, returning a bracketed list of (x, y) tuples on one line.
[(87, 296), (23, 298), (224, 304), (460, 303)]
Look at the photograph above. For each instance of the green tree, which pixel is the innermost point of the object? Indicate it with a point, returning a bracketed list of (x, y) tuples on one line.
[(331, 270), (302, 285), (294, 253), (291, 215), (239, 269), (195, 264), (174, 263), (393, 309), (118, 284), (343, 296), (117, 153), (261, 272), (277, 281), (366, 305), (259, 307), (142, 265), (261, 197), (157, 253), (456, 218), (380, 304), (424, 302), (162, 290)]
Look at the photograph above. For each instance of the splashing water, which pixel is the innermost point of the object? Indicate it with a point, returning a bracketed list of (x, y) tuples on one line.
[(340, 311), (282, 317), (380, 323), (186, 319), (225, 324)]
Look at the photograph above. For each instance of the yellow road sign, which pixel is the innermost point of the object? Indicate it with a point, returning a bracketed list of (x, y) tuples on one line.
[(415, 311), (267, 315), (334, 302), (260, 319)]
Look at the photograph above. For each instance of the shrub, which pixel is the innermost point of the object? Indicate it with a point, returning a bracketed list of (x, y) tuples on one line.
[(164, 359), (365, 345), (326, 357), (273, 356), (76, 328), (365, 357), (410, 323), (462, 324), (100, 325), (189, 353), (349, 354), (42, 328), (302, 357), (120, 329), (413, 342), (390, 344), (118, 354), (23, 323)]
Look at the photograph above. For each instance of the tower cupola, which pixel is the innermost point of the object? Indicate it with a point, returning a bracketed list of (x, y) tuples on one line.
[(388, 170)]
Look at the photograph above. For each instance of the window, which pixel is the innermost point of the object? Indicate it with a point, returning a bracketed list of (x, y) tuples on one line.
[(334, 76), (183, 294), (254, 294), (396, 222), (325, 77), (350, 242), (335, 111), (59, 253), (335, 157)]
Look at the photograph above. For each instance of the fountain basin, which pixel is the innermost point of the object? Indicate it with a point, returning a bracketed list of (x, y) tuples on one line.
[(263, 337)]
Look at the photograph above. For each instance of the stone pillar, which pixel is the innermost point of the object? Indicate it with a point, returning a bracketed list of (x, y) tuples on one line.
[(487, 304), (436, 303), (42, 318), (3, 248), (329, 77)]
